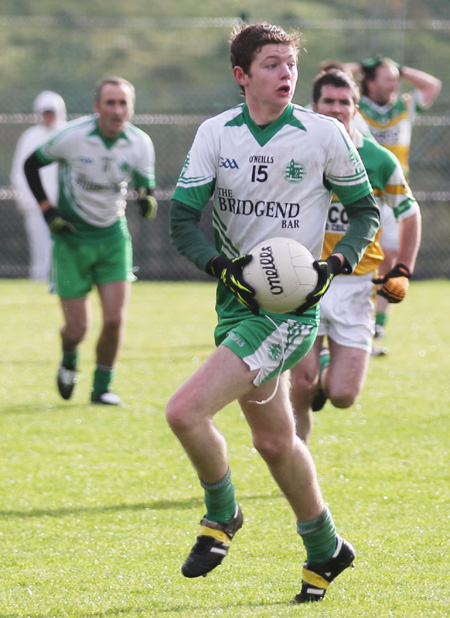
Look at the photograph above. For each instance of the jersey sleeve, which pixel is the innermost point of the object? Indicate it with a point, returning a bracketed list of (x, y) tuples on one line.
[(144, 174), (345, 172), (398, 194), (55, 148), (198, 177)]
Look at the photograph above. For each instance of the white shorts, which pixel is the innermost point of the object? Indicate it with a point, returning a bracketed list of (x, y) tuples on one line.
[(390, 229), (347, 311)]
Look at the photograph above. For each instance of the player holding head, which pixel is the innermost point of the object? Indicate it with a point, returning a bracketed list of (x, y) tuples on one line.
[(99, 155), (270, 168), (347, 311), (391, 116)]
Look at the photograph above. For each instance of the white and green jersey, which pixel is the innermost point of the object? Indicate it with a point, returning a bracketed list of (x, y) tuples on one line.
[(391, 125), (270, 181), (94, 174)]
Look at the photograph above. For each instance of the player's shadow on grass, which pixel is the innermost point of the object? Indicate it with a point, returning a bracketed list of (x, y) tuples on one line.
[(156, 505)]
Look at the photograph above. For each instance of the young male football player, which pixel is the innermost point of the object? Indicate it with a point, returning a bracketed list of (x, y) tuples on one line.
[(98, 156), (270, 168), (347, 311)]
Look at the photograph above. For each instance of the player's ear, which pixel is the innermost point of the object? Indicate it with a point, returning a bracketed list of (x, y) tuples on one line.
[(240, 76)]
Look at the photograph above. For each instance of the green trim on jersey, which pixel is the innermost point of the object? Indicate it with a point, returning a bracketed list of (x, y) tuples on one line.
[(139, 180), (195, 196), (264, 134), (384, 114), (221, 237), (107, 141), (75, 125), (380, 164)]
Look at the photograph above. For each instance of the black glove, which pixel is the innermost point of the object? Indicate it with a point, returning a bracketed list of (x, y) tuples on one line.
[(147, 206), (230, 273), (326, 271), (394, 284), (56, 222)]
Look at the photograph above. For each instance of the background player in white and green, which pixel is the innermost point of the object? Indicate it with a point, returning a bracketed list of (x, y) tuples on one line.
[(270, 168), (347, 311), (99, 156), (390, 116)]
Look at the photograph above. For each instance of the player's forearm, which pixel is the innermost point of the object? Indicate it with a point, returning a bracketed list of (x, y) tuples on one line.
[(428, 85), (186, 236), (31, 169), (410, 233)]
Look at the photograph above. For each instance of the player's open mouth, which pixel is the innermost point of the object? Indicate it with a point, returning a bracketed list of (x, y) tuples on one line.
[(284, 90)]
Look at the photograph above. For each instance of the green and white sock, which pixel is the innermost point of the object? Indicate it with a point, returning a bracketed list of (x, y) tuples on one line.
[(319, 537), (220, 500)]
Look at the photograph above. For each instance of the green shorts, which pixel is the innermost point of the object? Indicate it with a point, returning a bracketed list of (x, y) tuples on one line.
[(271, 343), (75, 269)]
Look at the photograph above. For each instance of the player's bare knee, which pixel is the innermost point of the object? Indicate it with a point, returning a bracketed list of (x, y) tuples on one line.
[(113, 323), (343, 398), (271, 447), (303, 386), (74, 333), (181, 415)]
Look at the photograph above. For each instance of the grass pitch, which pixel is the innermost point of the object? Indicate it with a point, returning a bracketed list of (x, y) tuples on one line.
[(99, 507)]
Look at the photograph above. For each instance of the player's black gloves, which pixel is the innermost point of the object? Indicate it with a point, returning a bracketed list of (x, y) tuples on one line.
[(394, 284), (56, 222), (326, 271), (230, 273), (147, 204)]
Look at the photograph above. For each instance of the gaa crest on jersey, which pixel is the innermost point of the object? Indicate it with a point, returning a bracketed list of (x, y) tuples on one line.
[(228, 163), (294, 172)]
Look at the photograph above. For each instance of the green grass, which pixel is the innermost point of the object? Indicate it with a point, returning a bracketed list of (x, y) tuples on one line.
[(99, 506)]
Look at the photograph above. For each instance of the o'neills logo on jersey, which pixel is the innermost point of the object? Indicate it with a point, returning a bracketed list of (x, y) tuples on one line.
[(270, 271), (259, 208)]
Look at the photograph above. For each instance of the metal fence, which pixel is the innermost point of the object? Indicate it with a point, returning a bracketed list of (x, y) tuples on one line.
[(173, 128)]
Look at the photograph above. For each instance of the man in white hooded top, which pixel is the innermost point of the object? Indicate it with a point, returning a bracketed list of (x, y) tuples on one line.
[(50, 110)]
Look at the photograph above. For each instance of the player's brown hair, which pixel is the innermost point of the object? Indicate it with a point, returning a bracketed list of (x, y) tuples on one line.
[(247, 40), (339, 79)]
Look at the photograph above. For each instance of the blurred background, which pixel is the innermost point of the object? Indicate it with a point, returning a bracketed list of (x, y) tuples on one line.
[(176, 55)]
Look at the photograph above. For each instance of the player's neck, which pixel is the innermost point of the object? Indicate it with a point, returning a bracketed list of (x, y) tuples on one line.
[(263, 115)]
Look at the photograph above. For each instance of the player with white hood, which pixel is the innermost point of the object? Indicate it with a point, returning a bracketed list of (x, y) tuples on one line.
[(50, 110)]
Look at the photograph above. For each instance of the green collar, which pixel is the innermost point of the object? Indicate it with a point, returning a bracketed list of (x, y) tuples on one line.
[(264, 135), (108, 141)]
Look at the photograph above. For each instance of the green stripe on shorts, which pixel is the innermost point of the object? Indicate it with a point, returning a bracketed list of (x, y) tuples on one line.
[(271, 343)]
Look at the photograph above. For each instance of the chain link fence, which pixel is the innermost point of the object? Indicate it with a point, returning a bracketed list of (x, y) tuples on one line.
[(181, 98)]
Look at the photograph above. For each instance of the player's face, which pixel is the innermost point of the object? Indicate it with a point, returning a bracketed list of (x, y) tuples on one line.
[(48, 118), (270, 83), (114, 108), (337, 103), (384, 88)]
